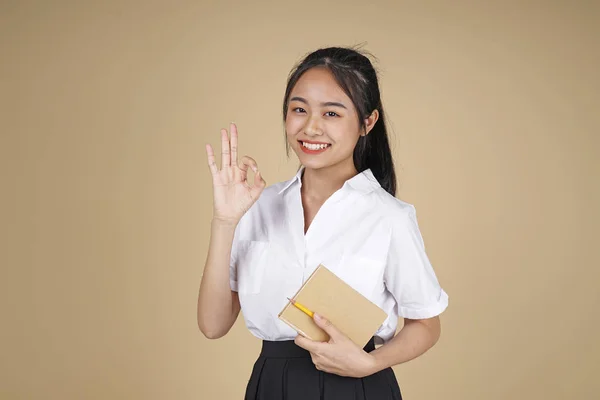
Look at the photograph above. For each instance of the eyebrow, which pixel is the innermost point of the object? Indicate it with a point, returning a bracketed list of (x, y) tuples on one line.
[(325, 104)]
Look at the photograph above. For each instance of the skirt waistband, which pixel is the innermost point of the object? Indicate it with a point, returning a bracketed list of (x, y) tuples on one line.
[(289, 349)]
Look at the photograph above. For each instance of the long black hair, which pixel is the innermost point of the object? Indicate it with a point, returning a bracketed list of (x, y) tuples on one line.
[(356, 76)]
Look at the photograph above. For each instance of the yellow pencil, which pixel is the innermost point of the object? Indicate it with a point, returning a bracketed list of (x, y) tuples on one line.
[(301, 307)]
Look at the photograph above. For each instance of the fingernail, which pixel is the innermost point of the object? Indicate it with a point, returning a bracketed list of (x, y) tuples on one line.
[(317, 316)]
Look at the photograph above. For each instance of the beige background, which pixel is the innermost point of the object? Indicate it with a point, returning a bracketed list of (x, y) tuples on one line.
[(106, 197)]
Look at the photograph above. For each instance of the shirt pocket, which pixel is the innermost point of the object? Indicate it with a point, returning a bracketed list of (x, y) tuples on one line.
[(251, 264)]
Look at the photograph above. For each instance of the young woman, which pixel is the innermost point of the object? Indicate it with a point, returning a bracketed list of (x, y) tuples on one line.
[(340, 210)]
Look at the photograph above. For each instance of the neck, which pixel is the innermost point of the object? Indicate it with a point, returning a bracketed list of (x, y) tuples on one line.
[(321, 183)]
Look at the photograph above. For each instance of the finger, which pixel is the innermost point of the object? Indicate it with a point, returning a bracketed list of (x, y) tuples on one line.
[(321, 363), (259, 185), (306, 343), (323, 323), (316, 360), (316, 364), (225, 149), (234, 143), (259, 181), (211, 160), (245, 163), (301, 341)]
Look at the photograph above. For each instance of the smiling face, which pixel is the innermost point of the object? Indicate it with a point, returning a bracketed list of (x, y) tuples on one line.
[(322, 123)]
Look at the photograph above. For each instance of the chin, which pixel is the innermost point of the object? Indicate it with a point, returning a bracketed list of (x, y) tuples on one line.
[(316, 163), (310, 161), (312, 164)]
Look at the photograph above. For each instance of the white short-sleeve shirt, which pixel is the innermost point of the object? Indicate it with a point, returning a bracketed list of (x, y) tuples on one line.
[(364, 235)]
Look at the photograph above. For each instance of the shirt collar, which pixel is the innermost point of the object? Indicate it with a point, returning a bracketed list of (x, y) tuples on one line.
[(363, 182), (295, 179)]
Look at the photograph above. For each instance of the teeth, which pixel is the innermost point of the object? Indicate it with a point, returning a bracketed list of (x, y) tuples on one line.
[(312, 146)]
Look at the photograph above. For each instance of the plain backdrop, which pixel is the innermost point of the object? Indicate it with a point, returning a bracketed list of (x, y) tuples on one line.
[(105, 109)]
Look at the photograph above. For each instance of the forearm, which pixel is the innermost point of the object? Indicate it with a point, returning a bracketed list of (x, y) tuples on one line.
[(414, 339), (218, 306)]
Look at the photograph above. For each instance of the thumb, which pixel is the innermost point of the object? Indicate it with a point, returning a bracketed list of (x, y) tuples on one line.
[(323, 323), (259, 185)]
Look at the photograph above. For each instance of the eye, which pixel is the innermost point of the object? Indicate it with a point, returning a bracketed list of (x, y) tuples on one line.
[(298, 110), (331, 114)]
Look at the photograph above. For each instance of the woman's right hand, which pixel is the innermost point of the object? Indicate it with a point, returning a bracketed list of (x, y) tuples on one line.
[(232, 194)]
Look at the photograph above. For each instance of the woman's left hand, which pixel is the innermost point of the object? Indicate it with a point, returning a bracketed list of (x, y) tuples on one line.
[(340, 355)]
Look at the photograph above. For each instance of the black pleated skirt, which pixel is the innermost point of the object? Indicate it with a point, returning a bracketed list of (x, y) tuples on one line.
[(285, 371)]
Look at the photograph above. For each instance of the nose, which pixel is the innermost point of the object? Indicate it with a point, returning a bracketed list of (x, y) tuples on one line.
[(313, 127)]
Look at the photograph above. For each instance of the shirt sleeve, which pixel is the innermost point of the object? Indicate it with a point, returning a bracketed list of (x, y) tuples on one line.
[(233, 281), (409, 275)]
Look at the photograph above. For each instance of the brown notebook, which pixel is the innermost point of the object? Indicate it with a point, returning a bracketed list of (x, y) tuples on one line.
[(326, 294)]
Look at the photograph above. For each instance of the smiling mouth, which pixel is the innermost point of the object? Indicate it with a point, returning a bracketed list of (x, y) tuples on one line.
[(313, 148)]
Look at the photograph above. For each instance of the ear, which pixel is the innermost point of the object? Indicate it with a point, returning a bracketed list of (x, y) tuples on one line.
[(370, 122)]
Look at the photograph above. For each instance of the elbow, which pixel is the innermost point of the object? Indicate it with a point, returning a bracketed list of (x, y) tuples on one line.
[(209, 331), (212, 335), (214, 324), (435, 330), (432, 327)]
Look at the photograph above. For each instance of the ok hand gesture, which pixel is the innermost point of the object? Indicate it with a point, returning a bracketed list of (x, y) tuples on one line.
[(232, 194)]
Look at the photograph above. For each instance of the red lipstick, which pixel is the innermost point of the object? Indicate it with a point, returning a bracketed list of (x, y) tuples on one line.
[(311, 151)]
